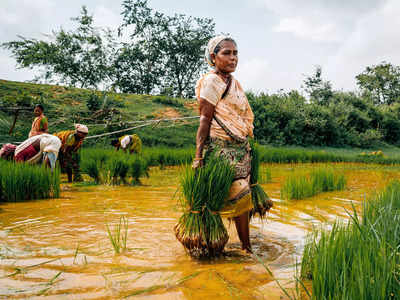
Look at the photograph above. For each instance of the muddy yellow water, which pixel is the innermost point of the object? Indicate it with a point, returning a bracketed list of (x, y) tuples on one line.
[(59, 248)]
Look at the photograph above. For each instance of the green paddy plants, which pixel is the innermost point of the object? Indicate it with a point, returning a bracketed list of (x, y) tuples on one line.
[(117, 168), (19, 182), (118, 236), (299, 185), (162, 156), (261, 201), (265, 175), (360, 259), (138, 168), (269, 154), (200, 229), (106, 166)]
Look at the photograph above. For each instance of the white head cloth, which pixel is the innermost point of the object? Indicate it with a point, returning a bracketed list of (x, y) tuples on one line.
[(81, 128), (211, 47)]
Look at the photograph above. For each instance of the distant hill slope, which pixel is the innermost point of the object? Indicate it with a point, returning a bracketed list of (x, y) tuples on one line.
[(65, 106)]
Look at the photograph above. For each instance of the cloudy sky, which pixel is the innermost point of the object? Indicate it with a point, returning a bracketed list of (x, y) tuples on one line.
[(279, 41)]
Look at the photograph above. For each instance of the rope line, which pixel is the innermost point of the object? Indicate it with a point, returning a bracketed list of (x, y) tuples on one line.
[(147, 123), (114, 132)]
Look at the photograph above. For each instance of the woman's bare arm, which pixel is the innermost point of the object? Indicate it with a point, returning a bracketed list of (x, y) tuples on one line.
[(206, 115)]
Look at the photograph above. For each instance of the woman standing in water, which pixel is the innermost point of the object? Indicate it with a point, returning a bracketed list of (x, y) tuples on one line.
[(226, 123)]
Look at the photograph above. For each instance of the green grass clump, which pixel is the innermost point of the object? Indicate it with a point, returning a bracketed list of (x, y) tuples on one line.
[(261, 201), (119, 236), (361, 259), (200, 229), (169, 101), (299, 185), (20, 181)]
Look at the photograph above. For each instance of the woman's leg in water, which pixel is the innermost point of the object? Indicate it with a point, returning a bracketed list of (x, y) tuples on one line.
[(243, 230)]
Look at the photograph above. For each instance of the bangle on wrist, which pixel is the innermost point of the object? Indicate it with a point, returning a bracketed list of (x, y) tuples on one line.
[(197, 159)]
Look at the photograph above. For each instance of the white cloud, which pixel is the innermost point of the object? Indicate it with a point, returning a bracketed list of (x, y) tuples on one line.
[(25, 16), (375, 39), (8, 70), (261, 75), (105, 17), (280, 41), (318, 20), (309, 29)]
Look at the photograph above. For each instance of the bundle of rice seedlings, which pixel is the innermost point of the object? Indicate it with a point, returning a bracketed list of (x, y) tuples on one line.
[(200, 229), (261, 202)]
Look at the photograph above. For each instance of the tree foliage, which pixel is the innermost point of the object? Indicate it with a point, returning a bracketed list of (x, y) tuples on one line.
[(167, 54), (382, 82), (79, 57), (152, 52), (184, 53), (318, 90), (348, 119)]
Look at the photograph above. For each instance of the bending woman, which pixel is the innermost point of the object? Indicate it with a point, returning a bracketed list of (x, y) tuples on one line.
[(43, 147), (226, 122), (128, 142)]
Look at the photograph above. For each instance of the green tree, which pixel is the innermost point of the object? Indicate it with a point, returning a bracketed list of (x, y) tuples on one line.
[(183, 48), (139, 62), (318, 90), (382, 82), (79, 58), (167, 53)]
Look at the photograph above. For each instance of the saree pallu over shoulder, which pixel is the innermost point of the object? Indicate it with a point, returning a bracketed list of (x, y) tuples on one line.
[(232, 112), (238, 154)]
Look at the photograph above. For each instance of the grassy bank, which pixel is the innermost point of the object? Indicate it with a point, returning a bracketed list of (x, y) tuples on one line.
[(361, 259), (19, 182), (65, 106)]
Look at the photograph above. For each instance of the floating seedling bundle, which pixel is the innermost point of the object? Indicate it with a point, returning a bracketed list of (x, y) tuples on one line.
[(261, 202), (200, 229)]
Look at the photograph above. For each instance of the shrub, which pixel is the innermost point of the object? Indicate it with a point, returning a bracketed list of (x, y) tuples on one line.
[(93, 102), (168, 101)]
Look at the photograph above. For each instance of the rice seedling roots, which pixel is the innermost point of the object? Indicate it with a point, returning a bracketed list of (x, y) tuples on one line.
[(198, 239)]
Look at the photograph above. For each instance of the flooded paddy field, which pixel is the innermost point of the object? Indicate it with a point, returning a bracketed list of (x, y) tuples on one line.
[(60, 249)]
